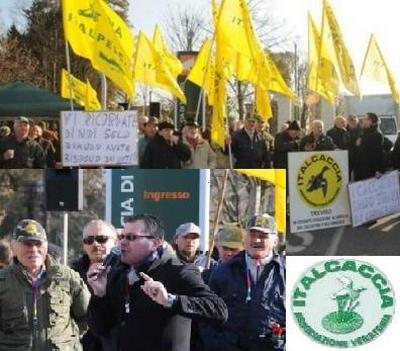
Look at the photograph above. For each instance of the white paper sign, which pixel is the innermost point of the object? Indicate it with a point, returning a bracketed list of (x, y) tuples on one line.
[(99, 138), (374, 198), (318, 190)]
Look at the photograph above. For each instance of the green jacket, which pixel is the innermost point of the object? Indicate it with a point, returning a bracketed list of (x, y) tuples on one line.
[(61, 309)]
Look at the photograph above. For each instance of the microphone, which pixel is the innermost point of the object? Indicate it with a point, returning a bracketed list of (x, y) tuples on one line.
[(112, 257)]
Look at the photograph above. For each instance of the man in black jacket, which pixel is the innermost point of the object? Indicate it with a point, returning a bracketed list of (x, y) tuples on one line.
[(165, 150), (146, 291), (253, 286), (249, 147), (339, 133), (285, 142), (369, 160), (98, 239), (317, 140), (18, 151)]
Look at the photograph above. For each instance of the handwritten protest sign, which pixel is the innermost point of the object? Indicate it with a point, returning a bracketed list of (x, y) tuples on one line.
[(99, 138), (374, 198)]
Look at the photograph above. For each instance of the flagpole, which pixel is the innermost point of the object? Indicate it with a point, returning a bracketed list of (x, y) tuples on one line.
[(204, 106), (69, 75), (103, 91)]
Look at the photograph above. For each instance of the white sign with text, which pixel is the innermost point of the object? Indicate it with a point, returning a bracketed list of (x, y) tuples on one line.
[(374, 198), (318, 190), (99, 138)]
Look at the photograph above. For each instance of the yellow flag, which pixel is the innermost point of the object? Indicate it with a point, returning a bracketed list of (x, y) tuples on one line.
[(276, 81), (82, 93), (376, 68), (346, 67), (219, 109), (92, 103), (278, 178), (203, 71), (96, 32), (263, 103), (150, 69), (72, 87), (322, 75), (168, 58)]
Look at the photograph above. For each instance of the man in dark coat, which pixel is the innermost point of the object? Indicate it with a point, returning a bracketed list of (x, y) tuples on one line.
[(316, 140), (18, 151), (253, 286), (146, 291), (339, 133), (370, 156), (354, 129), (165, 150), (285, 142), (98, 239), (248, 146)]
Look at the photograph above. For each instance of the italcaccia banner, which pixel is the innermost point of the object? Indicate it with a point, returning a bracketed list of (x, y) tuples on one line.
[(318, 190)]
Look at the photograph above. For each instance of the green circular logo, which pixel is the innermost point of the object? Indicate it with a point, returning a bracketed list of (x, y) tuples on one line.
[(343, 302)]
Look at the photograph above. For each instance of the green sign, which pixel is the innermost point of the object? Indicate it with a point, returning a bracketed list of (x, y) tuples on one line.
[(343, 302), (171, 195)]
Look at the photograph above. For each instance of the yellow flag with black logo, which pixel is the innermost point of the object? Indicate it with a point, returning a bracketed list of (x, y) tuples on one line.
[(276, 81), (203, 71), (150, 69), (168, 58), (97, 32), (376, 68), (72, 87), (82, 93), (346, 67)]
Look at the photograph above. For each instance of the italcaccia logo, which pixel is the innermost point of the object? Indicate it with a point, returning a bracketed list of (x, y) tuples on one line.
[(319, 180), (343, 302)]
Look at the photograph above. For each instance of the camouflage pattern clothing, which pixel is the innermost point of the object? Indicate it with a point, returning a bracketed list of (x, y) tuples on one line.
[(57, 318)]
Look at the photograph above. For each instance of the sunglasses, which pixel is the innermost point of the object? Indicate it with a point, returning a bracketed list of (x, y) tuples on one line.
[(100, 239), (133, 237)]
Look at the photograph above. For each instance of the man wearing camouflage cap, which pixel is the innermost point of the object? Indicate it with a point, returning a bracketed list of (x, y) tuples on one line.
[(42, 303), (252, 284)]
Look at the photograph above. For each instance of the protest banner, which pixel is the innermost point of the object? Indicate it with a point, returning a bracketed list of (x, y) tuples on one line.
[(99, 138), (374, 198), (318, 190)]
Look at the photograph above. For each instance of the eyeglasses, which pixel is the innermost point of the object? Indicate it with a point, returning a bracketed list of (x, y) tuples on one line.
[(133, 237), (100, 239)]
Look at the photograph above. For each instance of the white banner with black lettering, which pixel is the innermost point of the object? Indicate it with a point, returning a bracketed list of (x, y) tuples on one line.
[(99, 138), (318, 190), (374, 198)]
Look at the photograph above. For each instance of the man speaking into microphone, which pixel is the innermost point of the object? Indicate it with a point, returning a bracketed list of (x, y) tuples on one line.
[(138, 301)]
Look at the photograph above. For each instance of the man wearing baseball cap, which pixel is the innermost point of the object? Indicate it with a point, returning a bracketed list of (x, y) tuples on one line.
[(252, 284), (18, 151), (42, 303), (187, 242)]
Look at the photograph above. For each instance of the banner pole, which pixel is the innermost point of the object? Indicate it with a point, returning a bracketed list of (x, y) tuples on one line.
[(71, 101)]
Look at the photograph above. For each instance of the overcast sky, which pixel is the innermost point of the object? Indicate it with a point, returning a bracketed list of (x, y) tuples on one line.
[(357, 18)]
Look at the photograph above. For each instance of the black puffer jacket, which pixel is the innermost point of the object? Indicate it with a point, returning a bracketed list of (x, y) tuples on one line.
[(160, 154), (369, 154)]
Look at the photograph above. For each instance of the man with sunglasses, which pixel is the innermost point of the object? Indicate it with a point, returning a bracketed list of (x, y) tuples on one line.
[(252, 284), (42, 303), (98, 238), (143, 300)]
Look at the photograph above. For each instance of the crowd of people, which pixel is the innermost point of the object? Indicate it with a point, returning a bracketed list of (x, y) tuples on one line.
[(147, 296), (24, 144)]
